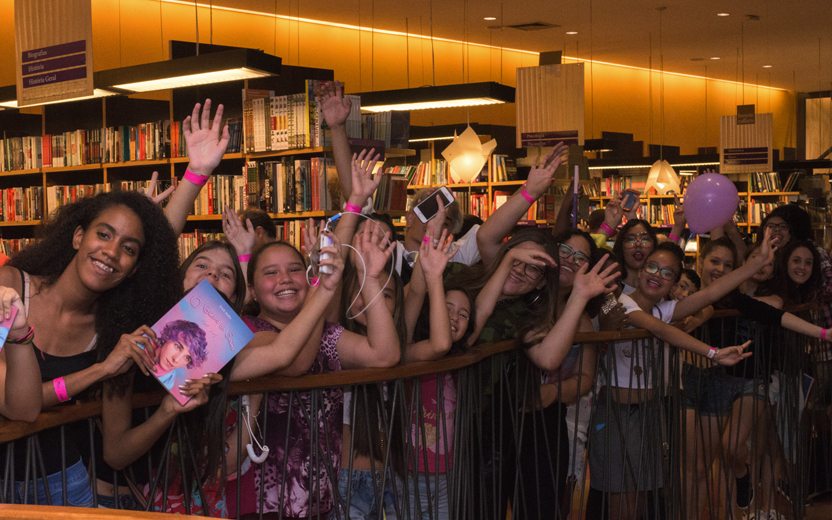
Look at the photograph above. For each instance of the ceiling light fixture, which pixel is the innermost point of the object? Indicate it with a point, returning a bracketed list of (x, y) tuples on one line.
[(714, 58), (723, 15), (442, 96), (214, 67), (571, 33), (8, 95), (766, 66), (489, 18)]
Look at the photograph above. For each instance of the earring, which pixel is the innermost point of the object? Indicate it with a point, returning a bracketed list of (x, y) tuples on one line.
[(537, 297)]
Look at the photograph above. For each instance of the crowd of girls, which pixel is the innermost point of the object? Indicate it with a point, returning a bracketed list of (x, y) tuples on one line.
[(106, 268)]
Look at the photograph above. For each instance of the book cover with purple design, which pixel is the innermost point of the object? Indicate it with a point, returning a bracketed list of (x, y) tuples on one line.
[(6, 326), (199, 335)]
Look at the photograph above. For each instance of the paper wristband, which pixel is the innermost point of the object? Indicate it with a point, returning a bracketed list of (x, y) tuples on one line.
[(823, 333), (606, 229), (244, 258), (195, 178), (60, 389), (526, 195), (352, 208), (673, 237)]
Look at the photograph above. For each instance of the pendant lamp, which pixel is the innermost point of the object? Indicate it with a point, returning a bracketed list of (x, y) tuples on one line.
[(466, 155)]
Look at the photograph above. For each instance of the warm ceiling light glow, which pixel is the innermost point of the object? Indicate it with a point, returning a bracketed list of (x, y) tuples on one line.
[(428, 139), (723, 15), (426, 105), (766, 66), (646, 166), (97, 93), (714, 58), (571, 33), (190, 80), (489, 18)]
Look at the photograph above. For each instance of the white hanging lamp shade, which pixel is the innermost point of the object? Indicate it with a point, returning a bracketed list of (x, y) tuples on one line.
[(466, 155), (663, 178)]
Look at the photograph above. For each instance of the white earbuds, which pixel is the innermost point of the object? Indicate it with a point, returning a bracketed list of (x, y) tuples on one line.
[(264, 449)]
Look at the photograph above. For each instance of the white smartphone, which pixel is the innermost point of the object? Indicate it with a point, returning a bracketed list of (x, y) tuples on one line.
[(326, 241), (428, 208)]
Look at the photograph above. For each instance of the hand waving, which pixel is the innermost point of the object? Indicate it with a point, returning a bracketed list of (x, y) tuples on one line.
[(363, 182), (153, 186), (376, 248), (434, 255), (334, 106), (589, 284), (203, 138), (541, 175), (240, 236)]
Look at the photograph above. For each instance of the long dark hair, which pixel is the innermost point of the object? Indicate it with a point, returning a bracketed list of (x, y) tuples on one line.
[(422, 329), (142, 298), (239, 277), (780, 284)]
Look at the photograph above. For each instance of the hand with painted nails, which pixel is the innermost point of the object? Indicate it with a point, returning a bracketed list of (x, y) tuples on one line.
[(196, 389), (137, 348), (9, 299)]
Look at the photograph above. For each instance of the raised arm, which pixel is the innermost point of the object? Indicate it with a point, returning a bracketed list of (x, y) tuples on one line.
[(20, 386), (727, 283), (502, 221), (364, 184), (549, 353), (335, 109), (242, 237), (433, 257), (731, 231), (205, 144), (293, 350)]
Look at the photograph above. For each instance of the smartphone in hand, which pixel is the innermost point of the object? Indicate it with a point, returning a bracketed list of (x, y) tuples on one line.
[(428, 208), (629, 199)]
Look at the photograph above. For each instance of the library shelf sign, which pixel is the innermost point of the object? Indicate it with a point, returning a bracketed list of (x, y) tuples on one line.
[(53, 42)]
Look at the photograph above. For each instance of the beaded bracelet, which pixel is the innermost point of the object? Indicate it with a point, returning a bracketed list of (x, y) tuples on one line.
[(196, 179)]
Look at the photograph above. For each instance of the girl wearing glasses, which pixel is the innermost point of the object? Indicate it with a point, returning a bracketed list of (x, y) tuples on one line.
[(625, 442), (635, 242)]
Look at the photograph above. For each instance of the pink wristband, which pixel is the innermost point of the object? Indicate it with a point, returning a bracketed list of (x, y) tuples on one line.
[(60, 389), (712, 352), (244, 258), (823, 333), (606, 229), (352, 208), (195, 178), (526, 195), (673, 237)]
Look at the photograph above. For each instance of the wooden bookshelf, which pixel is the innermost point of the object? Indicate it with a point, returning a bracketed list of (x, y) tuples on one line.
[(20, 223)]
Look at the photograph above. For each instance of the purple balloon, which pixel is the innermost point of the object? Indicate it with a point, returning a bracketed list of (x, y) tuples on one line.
[(710, 201)]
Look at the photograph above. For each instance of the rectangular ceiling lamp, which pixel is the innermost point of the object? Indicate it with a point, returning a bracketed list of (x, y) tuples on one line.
[(214, 67), (8, 96), (443, 96)]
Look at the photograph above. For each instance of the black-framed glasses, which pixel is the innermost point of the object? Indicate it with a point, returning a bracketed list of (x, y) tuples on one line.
[(665, 272), (532, 272), (642, 239), (566, 251)]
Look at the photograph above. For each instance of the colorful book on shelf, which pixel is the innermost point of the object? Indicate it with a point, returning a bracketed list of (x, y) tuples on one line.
[(199, 335), (6, 326)]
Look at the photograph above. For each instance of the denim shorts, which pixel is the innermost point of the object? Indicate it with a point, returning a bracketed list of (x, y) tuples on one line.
[(711, 391), (78, 490), (362, 486)]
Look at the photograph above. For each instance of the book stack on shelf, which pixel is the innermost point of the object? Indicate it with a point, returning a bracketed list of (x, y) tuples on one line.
[(293, 185), (759, 211), (391, 195), (189, 241), (72, 148), (433, 173), (57, 196), (661, 214), (392, 128), (21, 204), (20, 153), (503, 168), (473, 204), (221, 191), (9, 246), (765, 182)]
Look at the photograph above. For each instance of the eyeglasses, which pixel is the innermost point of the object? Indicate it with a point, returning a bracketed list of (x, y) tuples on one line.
[(566, 251), (775, 227), (532, 272), (633, 240), (665, 272)]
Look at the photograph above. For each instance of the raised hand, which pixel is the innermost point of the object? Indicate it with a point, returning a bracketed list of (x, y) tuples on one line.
[(310, 233), (153, 186), (240, 236), (590, 283), (541, 175), (196, 388), (530, 256), (363, 182), (730, 356), (138, 347), (434, 255), (9, 299), (376, 248), (206, 144), (334, 106), (613, 213), (767, 248)]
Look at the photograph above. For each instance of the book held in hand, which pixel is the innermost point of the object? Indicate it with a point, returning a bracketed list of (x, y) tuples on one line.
[(199, 335)]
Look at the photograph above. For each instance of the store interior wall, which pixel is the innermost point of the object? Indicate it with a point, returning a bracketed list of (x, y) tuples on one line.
[(129, 32)]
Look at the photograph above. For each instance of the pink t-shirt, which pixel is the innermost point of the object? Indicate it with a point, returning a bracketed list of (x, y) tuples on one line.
[(437, 419)]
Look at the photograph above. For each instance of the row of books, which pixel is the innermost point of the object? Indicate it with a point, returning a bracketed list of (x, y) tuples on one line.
[(10, 246), (393, 128), (765, 181), (290, 186), (759, 211), (57, 196), (661, 214), (391, 195), (219, 192), (287, 122), (189, 242), (146, 141), (19, 204), (503, 168), (474, 204), (290, 231)]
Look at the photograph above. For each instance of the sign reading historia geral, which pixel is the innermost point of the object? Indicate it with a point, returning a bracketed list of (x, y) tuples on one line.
[(53, 42)]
